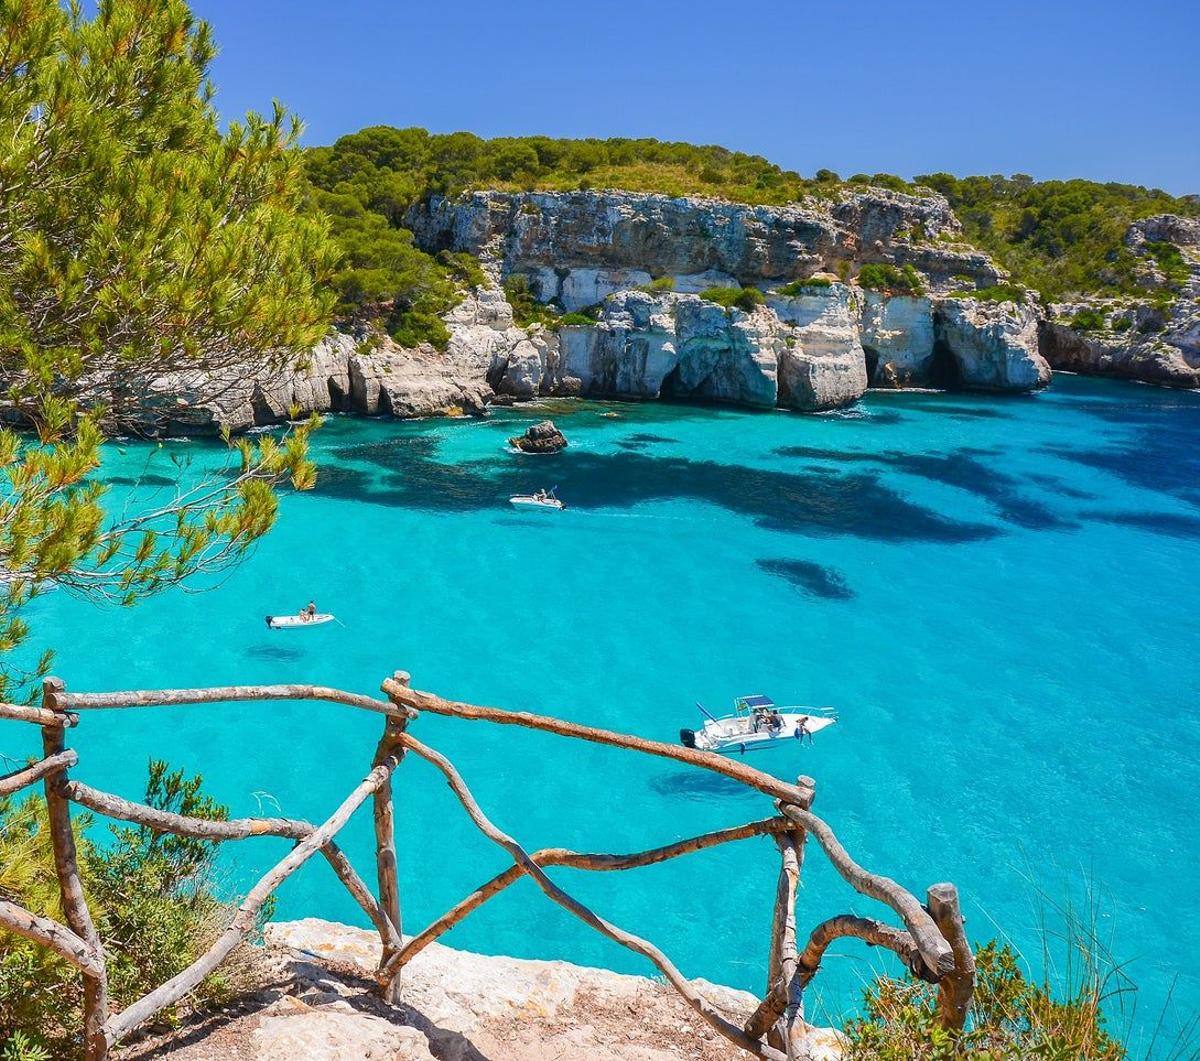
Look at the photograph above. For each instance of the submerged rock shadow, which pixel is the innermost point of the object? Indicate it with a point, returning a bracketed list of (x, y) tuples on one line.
[(960, 468), (812, 579), (820, 503)]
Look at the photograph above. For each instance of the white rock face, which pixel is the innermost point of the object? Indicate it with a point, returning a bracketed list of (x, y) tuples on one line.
[(897, 335), (822, 364), (994, 344), (725, 355), (455, 1006)]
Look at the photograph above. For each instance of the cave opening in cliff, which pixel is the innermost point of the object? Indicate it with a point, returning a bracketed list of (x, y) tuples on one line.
[(872, 358), (672, 389), (944, 371)]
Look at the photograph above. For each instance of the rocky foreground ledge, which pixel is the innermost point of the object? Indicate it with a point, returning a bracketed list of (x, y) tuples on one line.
[(316, 1003)]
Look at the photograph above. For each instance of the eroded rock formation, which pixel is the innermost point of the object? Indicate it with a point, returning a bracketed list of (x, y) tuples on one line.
[(637, 263)]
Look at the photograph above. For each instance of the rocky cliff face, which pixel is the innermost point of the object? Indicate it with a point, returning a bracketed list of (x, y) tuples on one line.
[(579, 247), (816, 348), (1155, 339)]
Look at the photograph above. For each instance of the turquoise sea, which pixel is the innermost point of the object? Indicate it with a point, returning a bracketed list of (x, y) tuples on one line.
[(998, 595)]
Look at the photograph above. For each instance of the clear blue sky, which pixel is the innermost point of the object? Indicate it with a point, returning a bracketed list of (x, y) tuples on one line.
[(1057, 89)]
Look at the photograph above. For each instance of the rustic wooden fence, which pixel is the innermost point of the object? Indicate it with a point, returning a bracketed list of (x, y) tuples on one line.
[(931, 944)]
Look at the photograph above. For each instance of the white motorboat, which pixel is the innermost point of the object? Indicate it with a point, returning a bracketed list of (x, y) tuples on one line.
[(543, 500), (293, 622), (757, 724)]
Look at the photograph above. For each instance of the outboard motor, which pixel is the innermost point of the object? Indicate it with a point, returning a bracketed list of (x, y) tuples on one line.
[(688, 737)]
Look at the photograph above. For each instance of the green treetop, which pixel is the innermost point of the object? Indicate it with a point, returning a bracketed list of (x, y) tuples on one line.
[(136, 241)]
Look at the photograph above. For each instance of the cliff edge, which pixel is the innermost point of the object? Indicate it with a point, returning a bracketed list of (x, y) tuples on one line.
[(316, 1003)]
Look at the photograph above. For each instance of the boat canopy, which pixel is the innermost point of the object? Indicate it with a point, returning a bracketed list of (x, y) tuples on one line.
[(756, 700)]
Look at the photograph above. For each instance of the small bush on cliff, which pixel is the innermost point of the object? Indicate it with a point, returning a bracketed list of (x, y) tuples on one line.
[(150, 896), (568, 320), (804, 287), (1089, 320), (658, 285), (884, 277), (1011, 1017), (995, 293), (743, 298), (526, 308)]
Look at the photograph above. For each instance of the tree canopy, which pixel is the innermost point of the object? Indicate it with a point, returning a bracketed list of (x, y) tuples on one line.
[(137, 241)]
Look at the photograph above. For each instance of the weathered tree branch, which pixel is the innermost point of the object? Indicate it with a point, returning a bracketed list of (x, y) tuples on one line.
[(618, 935), (558, 856), (226, 694), (39, 716), (956, 988), (18, 779), (60, 939), (244, 920), (66, 866), (935, 951), (386, 871), (873, 933)]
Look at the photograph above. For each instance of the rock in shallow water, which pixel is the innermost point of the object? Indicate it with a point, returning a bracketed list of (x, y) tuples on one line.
[(540, 438)]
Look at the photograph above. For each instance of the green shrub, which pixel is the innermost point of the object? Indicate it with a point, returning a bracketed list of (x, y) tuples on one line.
[(804, 287), (658, 284), (1172, 263), (743, 298), (884, 277), (568, 320), (995, 293), (1089, 320), (527, 310), (1011, 1017), (1122, 324), (150, 895)]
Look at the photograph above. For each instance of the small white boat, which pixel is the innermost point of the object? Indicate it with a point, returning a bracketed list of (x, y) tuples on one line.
[(291, 622), (543, 500), (757, 724)]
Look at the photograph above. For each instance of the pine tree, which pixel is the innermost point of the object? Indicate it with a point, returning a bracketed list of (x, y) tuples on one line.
[(137, 241)]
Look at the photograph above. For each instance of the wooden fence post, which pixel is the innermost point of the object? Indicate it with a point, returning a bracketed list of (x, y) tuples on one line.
[(385, 848), (788, 1031), (955, 988), (66, 865)]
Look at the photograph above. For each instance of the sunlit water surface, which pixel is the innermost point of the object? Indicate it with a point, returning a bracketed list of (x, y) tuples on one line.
[(999, 596)]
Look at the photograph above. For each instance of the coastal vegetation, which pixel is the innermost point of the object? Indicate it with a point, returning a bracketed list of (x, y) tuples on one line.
[(1058, 238), (151, 895), (896, 281), (743, 298), (1061, 238)]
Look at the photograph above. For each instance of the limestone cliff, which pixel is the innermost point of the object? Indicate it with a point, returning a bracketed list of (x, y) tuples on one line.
[(1155, 339), (636, 264)]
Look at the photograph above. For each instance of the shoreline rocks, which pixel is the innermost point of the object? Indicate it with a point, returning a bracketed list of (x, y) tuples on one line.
[(818, 347)]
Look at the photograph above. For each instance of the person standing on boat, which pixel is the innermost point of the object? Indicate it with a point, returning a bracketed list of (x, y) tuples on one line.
[(310, 613), (802, 730)]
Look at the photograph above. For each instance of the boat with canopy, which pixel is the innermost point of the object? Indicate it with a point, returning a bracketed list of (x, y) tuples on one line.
[(757, 724)]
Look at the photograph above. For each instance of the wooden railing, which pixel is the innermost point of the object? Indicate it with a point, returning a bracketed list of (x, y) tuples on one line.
[(931, 944)]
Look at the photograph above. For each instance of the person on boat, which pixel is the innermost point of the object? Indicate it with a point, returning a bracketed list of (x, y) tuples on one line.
[(539, 495), (775, 722), (802, 730), (310, 613)]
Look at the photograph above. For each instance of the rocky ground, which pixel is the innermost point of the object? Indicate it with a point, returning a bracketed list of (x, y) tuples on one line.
[(316, 1003)]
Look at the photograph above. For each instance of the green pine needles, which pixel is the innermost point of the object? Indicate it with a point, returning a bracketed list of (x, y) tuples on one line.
[(137, 242)]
